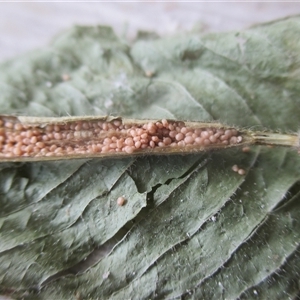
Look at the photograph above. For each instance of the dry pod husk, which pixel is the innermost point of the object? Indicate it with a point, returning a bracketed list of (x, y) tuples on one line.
[(35, 139)]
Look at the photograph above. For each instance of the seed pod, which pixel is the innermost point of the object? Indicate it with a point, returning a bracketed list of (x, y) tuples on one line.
[(35, 139)]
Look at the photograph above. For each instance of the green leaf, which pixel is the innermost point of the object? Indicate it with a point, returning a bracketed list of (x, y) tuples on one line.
[(191, 227)]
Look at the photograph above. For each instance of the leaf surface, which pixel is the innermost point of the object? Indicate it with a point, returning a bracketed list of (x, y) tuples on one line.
[(191, 227)]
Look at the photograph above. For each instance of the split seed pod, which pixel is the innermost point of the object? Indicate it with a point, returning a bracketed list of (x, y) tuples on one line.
[(35, 139)]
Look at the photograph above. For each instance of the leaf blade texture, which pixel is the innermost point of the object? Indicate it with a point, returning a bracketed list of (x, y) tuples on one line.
[(191, 227)]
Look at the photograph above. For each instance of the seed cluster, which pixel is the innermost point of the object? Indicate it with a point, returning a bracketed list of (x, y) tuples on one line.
[(238, 170), (100, 136)]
